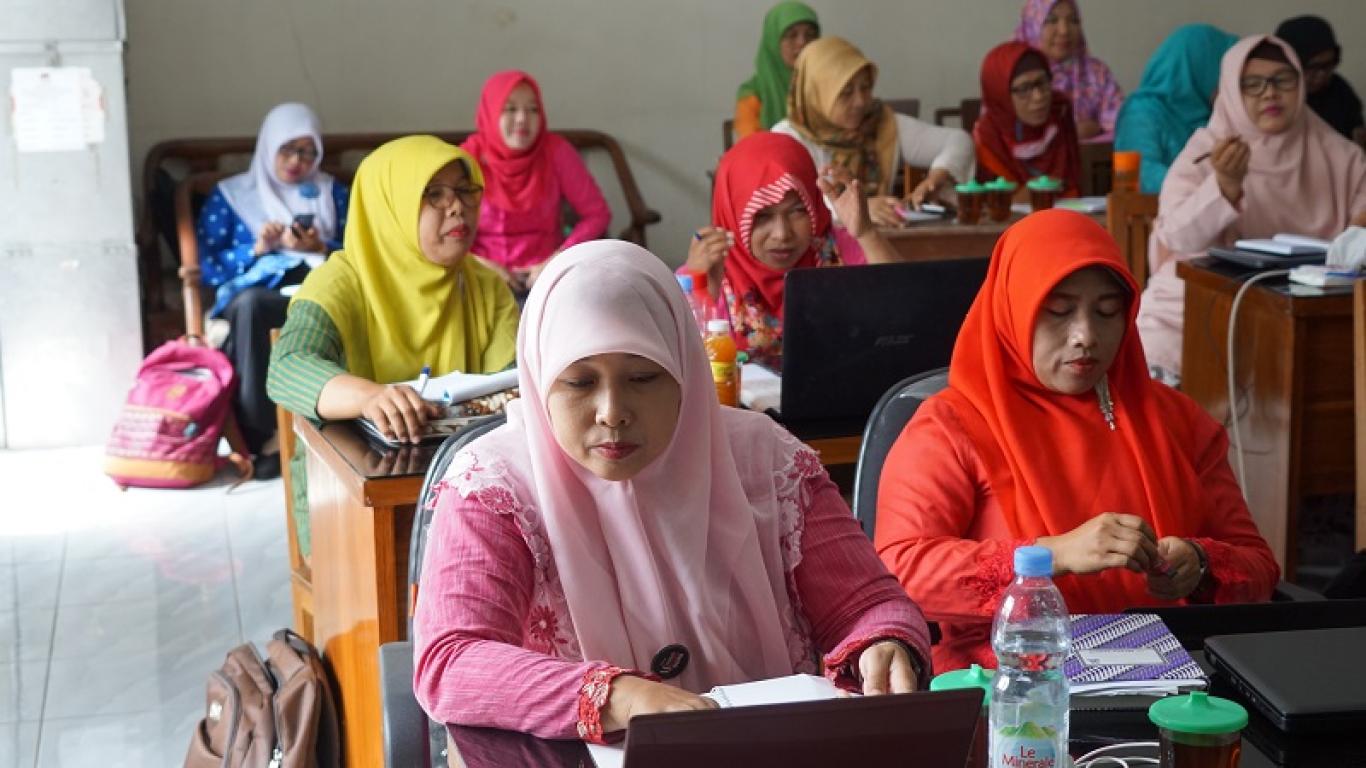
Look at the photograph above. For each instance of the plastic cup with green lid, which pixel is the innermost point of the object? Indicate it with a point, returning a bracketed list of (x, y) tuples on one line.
[(972, 677), (971, 197), (1199, 730), (1044, 191), (999, 193)]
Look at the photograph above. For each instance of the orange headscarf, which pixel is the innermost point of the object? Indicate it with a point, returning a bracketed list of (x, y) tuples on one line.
[(1052, 460)]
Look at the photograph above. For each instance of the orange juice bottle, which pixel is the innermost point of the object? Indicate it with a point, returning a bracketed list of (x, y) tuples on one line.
[(721, 352)]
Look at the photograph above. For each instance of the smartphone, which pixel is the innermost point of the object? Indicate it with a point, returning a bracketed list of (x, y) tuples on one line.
[(302, 223)]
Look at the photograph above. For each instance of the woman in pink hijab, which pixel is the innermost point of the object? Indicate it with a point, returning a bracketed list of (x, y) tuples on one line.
[(625, 543), (1264, 165)]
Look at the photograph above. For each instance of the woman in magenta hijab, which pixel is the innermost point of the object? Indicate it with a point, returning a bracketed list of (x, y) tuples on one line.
[(529, 172), (1265, 165), (626, 543), (1054, 27)]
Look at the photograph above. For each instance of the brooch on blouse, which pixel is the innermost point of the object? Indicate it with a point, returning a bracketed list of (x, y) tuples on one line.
[(308, 190)]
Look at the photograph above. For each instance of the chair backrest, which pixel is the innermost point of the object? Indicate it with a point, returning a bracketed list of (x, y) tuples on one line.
[(1129, 216), (727, 133), (1097, 168), (1359, 346), (885, 423), (967, 112), (422, 517), (908, 107)]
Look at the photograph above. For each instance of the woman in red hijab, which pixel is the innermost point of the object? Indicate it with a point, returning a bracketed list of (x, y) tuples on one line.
[(529, 173), (1026, 128), (1052, 433), (768, 217)]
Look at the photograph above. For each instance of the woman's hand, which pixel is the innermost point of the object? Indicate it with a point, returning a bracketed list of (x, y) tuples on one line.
[(631, 696), (307, 241), (514, 281), (269, 239), (882, 209), (1178, 572), (1106, 541), (1087, 129), (399, 413), (928, 189), (1359, 220), (531, 274), (1229, 159), (707, 253), (885, 667), (851, 207)]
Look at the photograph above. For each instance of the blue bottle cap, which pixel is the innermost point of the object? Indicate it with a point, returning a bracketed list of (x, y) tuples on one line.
[(1033, 561), (685, 282)]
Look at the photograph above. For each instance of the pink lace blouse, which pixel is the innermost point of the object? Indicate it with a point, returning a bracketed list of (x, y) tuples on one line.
[(495, 646)]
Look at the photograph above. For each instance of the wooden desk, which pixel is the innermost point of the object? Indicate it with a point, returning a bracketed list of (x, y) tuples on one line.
[(361, 506), (1293, 353), (947, 239)]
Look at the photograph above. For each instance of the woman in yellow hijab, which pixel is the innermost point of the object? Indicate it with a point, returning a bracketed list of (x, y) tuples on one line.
[(401, 295), (832, 112)]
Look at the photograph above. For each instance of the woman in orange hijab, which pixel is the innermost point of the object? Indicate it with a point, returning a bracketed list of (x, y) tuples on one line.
[(1052, 433)]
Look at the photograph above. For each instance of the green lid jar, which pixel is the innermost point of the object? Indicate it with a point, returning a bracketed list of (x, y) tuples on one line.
[(1198, 714), (1001, 184), (960, 679), (973, 187), (1044, 184)]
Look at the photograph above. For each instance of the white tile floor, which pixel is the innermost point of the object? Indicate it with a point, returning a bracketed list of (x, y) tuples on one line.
[(116, 606)]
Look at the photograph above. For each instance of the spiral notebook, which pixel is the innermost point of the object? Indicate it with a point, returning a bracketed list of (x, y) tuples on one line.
[(1126, 654)]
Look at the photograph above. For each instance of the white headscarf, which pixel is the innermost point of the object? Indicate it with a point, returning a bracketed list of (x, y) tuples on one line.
[(258, 196)]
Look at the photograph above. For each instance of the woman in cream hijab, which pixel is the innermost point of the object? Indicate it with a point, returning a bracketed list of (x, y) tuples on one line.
[(831, 110)]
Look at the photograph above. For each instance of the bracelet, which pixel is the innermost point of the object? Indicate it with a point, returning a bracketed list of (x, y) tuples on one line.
[(1204, 559)]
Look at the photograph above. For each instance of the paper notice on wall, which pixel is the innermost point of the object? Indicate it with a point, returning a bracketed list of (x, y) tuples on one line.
[(55, 109)]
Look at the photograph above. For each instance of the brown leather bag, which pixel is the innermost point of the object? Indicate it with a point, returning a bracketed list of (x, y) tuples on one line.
[(276, 712)]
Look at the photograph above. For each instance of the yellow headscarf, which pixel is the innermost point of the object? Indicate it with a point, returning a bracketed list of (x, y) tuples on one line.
[(824, 67), (397, 311)]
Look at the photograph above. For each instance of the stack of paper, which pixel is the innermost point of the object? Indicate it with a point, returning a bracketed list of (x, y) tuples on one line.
[(760, 388), (457, 387), (1285, 245), (1128, 653)]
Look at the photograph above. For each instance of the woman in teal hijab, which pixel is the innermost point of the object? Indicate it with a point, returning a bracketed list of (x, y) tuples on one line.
[(1174, 98), (762, 99)]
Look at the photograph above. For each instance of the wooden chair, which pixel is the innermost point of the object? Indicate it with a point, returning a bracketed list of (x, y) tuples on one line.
[(967, 112), (1359, 368), (1097, 168), (300, 573), (727, 133), (200, 163), (1129, 217)]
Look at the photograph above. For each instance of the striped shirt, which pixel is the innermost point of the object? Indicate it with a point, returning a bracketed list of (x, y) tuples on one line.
[(307, 356)]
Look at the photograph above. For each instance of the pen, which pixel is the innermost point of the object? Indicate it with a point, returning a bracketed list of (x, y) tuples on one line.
[(422, 380)]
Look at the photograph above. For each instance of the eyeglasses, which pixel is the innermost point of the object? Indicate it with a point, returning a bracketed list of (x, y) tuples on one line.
[(1283, 82), (305, 154), (1322, 67), (1041, 85), (443, 195)]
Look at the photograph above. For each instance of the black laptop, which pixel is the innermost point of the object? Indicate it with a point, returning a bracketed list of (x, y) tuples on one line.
[(850, 333), (925, 729), (1310, 681)]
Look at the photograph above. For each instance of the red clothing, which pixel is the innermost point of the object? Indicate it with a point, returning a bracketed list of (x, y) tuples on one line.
[(1007, 147), (486, 657), (1008, 460)]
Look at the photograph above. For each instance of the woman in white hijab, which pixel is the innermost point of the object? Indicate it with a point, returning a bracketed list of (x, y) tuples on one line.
[(260, 231)]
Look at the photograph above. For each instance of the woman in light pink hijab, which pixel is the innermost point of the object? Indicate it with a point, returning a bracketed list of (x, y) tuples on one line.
[(623, 524), (1264, 165)]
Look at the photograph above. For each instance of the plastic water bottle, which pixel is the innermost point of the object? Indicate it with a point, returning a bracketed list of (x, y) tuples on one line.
[(699, 310), (1031, 636)]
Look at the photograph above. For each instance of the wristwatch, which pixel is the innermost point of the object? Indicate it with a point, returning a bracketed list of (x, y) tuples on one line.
[(1204, 561)]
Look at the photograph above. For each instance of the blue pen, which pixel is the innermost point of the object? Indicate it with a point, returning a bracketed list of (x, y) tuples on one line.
[(422, 380)]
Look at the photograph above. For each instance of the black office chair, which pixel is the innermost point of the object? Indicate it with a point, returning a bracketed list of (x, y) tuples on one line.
[(410, 737), (891, 414)]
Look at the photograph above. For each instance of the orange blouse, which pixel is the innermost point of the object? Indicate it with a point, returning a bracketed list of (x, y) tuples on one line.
[(747, 119), (941, 531)]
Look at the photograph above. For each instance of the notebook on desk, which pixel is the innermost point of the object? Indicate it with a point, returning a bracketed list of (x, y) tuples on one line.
[(850, 333), (807, 729)]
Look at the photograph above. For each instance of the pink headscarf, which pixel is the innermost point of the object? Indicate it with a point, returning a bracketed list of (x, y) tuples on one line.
[(1304, 180), (516, 180), (697, 548)]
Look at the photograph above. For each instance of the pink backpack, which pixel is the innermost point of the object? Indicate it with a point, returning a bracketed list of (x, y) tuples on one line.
[(167, 434)]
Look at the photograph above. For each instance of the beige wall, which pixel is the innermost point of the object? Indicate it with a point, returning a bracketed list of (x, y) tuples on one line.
[(660, 76)]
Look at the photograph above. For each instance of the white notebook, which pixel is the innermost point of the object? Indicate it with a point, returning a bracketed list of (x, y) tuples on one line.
[(778, 690), (1284, 245), (760, 388), (457, 387)]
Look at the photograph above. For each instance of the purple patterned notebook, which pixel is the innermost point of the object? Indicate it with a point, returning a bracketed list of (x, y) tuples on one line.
[(1128, 653)]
